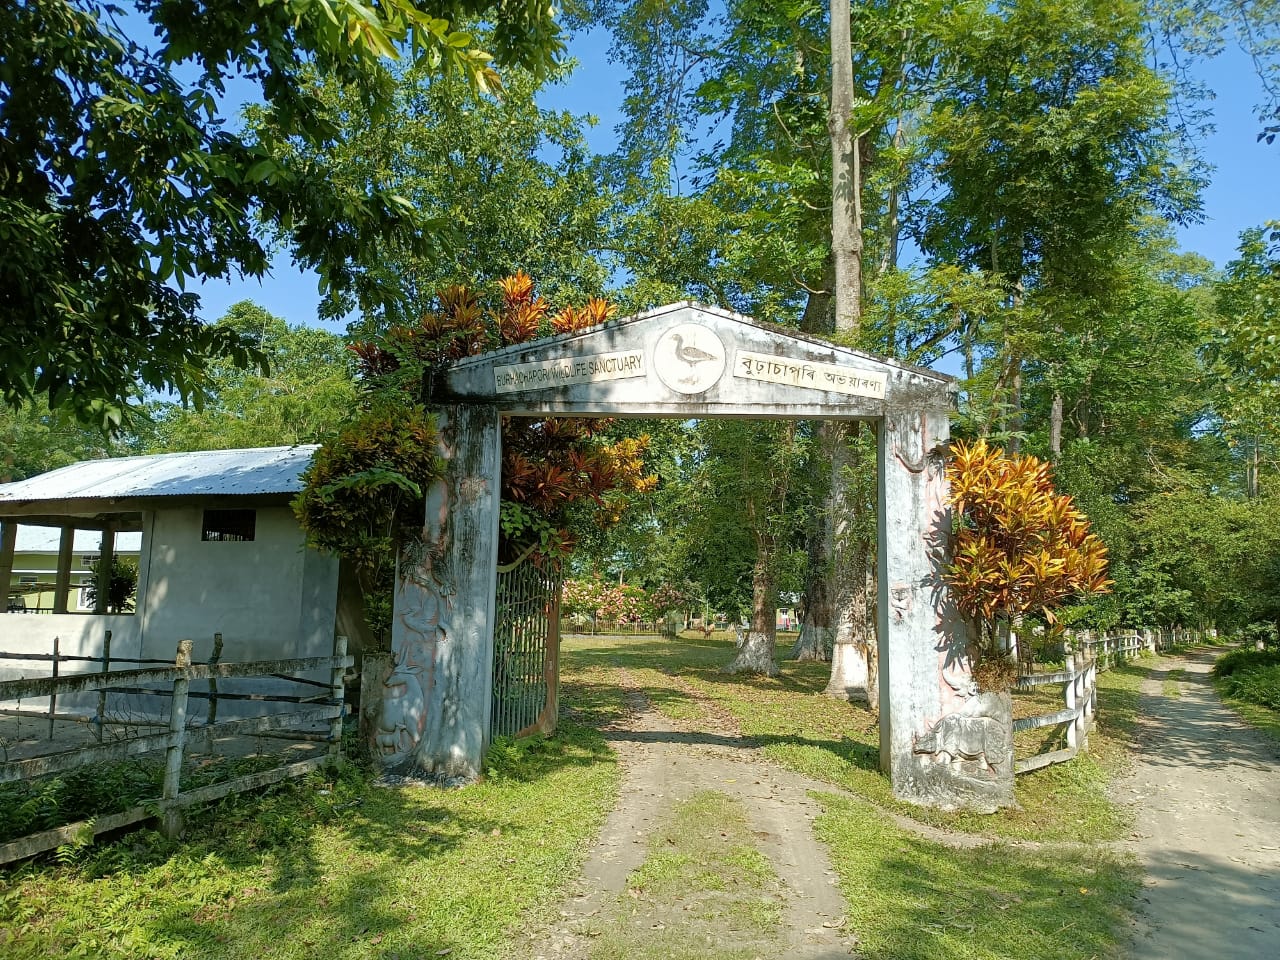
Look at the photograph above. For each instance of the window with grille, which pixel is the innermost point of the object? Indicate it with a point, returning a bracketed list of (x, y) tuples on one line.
[(229, 525)]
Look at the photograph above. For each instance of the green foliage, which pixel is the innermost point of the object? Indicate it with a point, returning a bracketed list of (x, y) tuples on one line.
[(123, 592), (1245, 660), (503, 184), (307, 392), (1252, 676), (363, 495), (35, 439), (119, 181), (279, 873)]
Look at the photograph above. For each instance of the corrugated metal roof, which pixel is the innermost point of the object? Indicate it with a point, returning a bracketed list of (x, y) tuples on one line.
[(47, 539), (220, 473)]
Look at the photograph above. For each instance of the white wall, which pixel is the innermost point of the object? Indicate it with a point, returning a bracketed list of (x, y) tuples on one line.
[(269, 598), (78, 635)]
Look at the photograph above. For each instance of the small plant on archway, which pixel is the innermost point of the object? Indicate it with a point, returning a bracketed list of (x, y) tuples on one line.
[(1019, 549)]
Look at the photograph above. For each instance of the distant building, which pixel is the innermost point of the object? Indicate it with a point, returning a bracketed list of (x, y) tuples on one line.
[(217, 546), (33, 581)]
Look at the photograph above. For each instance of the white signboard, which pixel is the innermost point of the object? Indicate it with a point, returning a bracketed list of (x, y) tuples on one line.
[(809, 374), (545, 374)]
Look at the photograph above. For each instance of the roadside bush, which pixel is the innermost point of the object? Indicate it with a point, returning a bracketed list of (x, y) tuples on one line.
[(1252, 676), (1244, 660)]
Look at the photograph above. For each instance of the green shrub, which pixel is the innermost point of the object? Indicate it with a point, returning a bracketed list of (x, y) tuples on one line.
[(1241, 660), (1260, 685)]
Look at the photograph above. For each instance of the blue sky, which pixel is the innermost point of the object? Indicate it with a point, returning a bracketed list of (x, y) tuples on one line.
[(1244, 190)]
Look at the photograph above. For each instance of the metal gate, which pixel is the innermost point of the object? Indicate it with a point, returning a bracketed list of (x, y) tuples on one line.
[(526, 650)]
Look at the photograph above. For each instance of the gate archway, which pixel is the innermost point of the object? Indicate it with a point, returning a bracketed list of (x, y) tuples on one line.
[(938, 742)]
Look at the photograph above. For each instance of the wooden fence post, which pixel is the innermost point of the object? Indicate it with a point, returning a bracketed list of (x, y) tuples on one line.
[(1069, 694), (53, 697), (337, 693), (170, 812), (102, 694), (213, 681)]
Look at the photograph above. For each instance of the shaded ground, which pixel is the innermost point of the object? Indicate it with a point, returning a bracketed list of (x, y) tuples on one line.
[(1206, 791), (797, 911)]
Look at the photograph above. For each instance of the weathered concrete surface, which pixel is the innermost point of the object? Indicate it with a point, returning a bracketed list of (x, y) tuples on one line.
[(1206, 793), (924, 674), (662, 376), (435, 714)]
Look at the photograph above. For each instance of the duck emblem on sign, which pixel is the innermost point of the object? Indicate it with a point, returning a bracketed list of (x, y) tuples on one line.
[(689, 358)]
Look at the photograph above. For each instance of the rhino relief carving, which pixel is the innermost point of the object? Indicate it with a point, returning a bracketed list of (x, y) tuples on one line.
[(979, 736)]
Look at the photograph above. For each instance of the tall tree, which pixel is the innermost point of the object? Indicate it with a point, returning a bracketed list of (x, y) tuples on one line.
[(120, 182), (504, 184), (306, 395)]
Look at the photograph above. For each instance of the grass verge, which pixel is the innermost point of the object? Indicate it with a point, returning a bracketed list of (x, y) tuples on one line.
[(910, 899), (334, 868), (1248, 681)]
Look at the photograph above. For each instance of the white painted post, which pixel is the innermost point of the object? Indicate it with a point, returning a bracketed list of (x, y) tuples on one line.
[(1091, 699), (923, 668), (337, 692), (1069, 691), (436, 714), (170, 812)]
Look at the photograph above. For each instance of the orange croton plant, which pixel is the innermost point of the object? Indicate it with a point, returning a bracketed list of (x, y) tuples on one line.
[(1020, 548), (556, 472)]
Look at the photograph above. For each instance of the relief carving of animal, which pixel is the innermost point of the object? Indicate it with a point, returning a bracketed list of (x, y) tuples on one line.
[(980, 733)]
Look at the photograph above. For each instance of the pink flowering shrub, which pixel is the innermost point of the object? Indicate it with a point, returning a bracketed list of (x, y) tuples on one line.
[(594, 597)]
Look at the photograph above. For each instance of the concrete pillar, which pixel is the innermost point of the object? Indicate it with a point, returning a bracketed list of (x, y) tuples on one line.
[(942, 743), (8, 540), (62, 582), (106, 568), (435, 714)]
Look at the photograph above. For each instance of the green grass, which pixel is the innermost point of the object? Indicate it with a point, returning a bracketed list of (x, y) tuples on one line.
[(837, 742), (704, 892), (338, 869), (1262, 718), (1171, 686), (911, 899)]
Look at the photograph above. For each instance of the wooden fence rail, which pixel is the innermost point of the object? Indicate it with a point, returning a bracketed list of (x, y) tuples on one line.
[(178, 738), (1088, 653)]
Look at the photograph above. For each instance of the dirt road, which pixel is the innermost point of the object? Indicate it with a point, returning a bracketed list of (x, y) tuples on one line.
[(1207, 825), (665, 764)]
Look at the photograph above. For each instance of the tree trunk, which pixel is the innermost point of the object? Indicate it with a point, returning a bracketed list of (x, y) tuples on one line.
[(1253, 465), (756, 653), (818, 616), (846, 177), (1055, 426), (848, 566), (818, 316), (851, 657), (1013, 413)]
